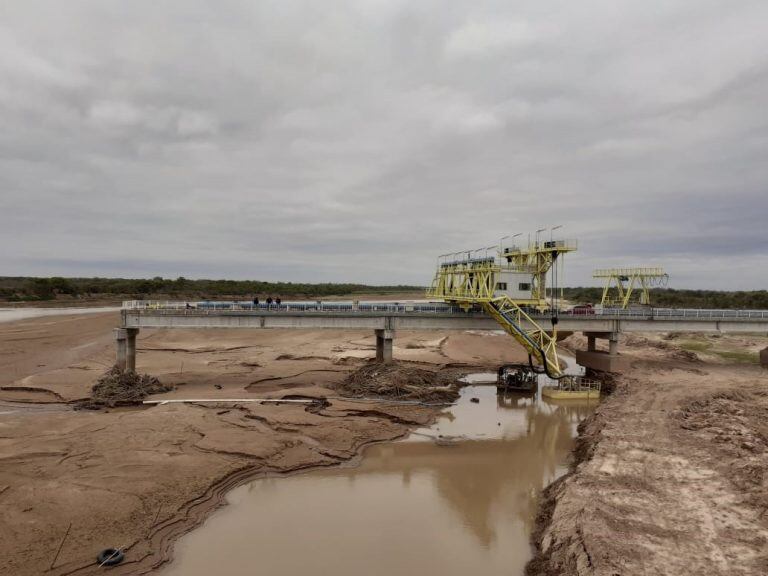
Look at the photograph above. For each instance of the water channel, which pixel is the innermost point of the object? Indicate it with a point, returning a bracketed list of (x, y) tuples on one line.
[(457, 498)]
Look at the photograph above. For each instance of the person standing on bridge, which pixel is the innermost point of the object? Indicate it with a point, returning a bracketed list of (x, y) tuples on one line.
[(269, 301), (277, 300), (256, 302)]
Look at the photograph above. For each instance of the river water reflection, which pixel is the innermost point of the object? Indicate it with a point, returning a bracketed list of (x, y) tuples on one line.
[(456, 498)]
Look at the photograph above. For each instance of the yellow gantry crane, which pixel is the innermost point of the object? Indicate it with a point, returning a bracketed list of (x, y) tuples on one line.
[(624, 287), (508, 288)]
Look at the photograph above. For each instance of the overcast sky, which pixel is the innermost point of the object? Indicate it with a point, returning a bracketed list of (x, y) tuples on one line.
[(356, 141)]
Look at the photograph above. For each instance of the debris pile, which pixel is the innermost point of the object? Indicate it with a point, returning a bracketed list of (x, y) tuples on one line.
[(685, 356), (117, 388), (401, 382)]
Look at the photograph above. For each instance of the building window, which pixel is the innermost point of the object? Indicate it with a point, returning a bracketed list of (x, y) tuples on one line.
[(524, 286), (501, 286)]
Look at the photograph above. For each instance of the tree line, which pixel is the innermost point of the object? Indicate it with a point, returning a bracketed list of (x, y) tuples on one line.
[(673, 298), (21, 288)]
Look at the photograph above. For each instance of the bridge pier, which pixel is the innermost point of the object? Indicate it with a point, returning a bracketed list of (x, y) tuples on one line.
[(125, 340), (384, 345), (595, 359), (590, 342)]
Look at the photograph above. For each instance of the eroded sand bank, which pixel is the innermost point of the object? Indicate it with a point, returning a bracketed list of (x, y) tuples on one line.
[(671, 474)]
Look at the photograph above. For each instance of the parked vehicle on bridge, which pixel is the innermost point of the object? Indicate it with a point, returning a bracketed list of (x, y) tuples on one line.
[(582, 309)]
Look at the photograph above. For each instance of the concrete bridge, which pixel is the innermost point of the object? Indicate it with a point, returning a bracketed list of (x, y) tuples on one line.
[(386, 318)]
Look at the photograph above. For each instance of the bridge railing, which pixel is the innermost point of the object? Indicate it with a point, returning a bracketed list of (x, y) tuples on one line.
[(432, 308), (318, 306), (678, 313)]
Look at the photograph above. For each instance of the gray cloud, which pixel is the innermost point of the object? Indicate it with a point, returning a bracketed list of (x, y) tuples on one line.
[(355, 141)]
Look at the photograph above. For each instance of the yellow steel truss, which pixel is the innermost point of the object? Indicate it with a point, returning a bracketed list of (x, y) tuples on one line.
[(472, 281), (626, 286), (465, 281)]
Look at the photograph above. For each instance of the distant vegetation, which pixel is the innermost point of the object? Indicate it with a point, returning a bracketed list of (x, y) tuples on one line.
[(670, 298), (25, 289)]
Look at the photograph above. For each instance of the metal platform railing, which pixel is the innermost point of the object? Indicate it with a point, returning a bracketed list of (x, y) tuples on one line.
[(641, 271)]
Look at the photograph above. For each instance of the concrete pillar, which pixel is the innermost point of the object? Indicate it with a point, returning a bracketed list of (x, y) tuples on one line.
[(613, 344), (594, 359), (130, 349), (384, 345), (125, 339), (764, 357), (121, 341)]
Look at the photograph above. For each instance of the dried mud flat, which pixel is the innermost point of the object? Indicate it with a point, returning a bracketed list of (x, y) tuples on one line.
[(670, 473), (139, 477)]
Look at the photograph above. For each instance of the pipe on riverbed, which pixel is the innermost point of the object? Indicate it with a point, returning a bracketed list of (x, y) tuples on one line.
[(218, 400)]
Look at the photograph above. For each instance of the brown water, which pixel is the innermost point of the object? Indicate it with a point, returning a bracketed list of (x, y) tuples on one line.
[(461, 504)]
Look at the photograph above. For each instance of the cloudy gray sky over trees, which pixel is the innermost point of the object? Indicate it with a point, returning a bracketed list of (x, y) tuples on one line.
[(356, 141)]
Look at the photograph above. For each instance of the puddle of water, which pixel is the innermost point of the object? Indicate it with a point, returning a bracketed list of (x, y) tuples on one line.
[(13, 314), (422, 505), (479, 378)]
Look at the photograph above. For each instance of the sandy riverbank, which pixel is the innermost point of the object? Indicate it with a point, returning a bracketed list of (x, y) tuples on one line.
[(140, 477), (671, 471)]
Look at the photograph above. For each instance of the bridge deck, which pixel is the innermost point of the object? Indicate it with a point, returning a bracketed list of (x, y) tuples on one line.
[(424, 316)]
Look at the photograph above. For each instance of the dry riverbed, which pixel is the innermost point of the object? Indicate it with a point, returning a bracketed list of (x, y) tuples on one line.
[(669, 476)]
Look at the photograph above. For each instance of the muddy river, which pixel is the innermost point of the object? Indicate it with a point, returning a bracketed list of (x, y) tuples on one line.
[(455, 498)]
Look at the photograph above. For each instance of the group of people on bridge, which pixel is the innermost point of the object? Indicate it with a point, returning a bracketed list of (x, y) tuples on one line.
[(269, 301)]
